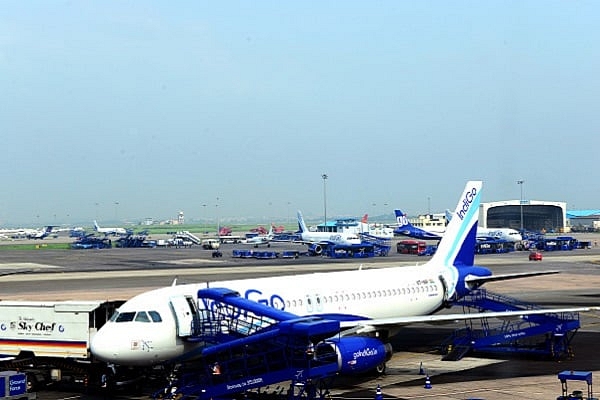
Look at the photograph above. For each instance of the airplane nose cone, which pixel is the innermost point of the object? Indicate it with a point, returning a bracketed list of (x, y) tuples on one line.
[(103, 347)]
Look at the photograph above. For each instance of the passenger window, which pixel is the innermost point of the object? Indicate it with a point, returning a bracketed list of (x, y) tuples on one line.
[(141, 316), (155, 316), (125, 317)]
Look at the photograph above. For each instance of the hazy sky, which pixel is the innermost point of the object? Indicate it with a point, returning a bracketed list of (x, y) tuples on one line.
[(165, 106)]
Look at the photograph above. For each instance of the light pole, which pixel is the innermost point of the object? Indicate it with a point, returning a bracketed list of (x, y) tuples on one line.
[(520, 183), (324, 176), (218, 222)]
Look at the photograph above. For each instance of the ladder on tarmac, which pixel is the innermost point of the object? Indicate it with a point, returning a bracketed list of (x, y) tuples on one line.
[(547, 335), (251, 346)]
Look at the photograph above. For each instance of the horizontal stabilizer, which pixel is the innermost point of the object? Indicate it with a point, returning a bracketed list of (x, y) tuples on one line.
[(480, 280)]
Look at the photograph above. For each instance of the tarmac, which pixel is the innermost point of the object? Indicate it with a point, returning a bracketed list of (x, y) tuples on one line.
[(476, 376)]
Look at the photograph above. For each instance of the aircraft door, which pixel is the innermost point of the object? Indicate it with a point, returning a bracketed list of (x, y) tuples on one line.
[(186, 312)]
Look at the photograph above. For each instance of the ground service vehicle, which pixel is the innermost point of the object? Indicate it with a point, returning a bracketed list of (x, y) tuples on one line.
[(50, 341), (411, 246), (13, 386), (535, 256)]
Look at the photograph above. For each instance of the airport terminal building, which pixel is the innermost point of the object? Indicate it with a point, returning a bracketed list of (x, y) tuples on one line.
[(531, 215)]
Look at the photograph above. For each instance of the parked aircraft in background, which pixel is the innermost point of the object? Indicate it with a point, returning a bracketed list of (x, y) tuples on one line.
[(508, 234), (26, 233), (225, 231), (41, 233), (378, 230), (319, 240), (371, 304), (110, 231), (405, 228), (261, 239)]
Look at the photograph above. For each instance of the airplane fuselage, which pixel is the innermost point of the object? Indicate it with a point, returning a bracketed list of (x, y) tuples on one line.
[(382, 293), (330, 237)]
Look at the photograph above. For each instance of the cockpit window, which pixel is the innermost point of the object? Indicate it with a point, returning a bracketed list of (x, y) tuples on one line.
[(141, 316), (155, 316), (125, 317)]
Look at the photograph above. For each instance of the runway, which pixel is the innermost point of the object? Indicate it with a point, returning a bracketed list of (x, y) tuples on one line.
[(122, 273)]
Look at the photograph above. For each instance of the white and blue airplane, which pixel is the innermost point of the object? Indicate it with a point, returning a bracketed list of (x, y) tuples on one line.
[(260, 240), (370, 304), (317, 240), (110, 231), (405, 228)]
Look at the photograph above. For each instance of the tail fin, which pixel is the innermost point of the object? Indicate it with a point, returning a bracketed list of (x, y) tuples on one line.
[(365, 218), (96, 227), (405, 228), (301, 224), (448, 215), (457, 247), (401, 219)]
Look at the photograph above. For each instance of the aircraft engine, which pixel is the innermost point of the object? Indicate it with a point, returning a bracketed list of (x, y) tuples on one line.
[(315, 249), (357, 354)]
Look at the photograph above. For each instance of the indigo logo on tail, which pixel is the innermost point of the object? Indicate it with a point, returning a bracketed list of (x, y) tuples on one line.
[(466, 203)]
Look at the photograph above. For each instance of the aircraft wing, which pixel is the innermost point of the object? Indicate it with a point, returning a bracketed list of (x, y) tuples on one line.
[(369, 325)]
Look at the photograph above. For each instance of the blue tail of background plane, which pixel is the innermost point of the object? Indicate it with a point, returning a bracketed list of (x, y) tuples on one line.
[(405, 228)]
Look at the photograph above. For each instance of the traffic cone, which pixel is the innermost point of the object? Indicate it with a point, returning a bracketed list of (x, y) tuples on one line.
[(421, 370), (378, 394), (427, 382)]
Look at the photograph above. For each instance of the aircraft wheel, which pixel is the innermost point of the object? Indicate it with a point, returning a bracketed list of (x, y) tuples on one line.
[(380, 369)]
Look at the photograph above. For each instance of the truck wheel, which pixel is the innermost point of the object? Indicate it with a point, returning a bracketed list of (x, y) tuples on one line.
[(31, 383)]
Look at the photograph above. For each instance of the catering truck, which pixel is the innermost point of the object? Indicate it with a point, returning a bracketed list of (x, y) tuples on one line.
[(50, 341)]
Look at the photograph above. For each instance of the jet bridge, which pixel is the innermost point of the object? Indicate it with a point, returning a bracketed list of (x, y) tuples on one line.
[(250, 346), (547, 335)]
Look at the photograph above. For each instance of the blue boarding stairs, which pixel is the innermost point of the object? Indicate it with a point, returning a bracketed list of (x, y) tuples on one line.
[(250, 346), (547, 335)]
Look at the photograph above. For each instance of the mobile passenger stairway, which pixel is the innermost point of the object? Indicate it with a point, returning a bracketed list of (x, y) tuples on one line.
[(248, 346), (381, 245), (548, 335)]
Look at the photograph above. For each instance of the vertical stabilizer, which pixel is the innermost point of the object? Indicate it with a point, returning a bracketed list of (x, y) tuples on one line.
[(301, 224), (402, 220), (457, 247), (405, 228)]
